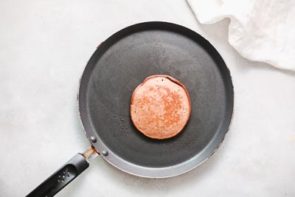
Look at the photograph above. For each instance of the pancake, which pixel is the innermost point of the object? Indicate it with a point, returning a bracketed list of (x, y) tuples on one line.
[(160, 107)]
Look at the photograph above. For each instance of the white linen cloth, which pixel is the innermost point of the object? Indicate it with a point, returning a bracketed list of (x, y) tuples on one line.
[(261, 30)]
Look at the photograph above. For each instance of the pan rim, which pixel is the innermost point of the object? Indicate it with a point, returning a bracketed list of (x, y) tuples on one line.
[(135, 169)]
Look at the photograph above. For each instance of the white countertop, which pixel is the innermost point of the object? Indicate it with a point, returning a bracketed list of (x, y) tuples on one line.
[(44, 47)]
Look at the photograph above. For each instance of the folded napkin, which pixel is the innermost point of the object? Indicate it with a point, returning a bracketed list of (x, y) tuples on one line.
[(261, 30)]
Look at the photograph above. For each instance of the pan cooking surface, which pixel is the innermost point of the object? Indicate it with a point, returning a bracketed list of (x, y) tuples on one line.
[(124, 61)]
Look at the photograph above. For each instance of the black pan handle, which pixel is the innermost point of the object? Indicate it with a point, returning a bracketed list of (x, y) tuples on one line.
[(61, 178)]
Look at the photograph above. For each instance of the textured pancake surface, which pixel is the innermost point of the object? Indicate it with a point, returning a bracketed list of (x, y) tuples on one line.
[(160, 107)]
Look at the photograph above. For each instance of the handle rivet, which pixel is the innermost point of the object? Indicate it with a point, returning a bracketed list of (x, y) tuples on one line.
[(93, 139), (104, 153)]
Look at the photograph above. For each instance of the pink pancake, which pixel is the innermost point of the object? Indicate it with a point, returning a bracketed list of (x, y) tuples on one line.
[(160, 107)]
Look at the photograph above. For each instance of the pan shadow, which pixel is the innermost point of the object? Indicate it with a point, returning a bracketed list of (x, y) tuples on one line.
[(140, 185), (152, 185)]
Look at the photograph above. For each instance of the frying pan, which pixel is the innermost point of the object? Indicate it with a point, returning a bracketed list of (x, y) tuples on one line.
[(117, 66)]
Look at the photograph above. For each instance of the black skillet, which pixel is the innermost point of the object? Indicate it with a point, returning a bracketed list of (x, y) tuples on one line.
[(118, 65)]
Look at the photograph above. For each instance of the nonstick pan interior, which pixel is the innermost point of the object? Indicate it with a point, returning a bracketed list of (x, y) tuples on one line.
[(121, 63)]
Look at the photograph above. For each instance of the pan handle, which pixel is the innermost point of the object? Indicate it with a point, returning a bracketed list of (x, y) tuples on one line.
[(62, 177)]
